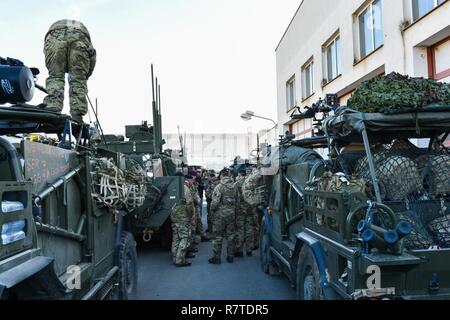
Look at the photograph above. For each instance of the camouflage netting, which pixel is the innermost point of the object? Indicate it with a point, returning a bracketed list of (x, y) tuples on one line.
[(395, 93), (420, 238), (416, 183), (115, 188)]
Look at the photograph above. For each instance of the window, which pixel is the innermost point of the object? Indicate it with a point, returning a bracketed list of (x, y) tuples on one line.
[(290, 94), (332, 53), (308, 79), (422, 7), (370, 29), (438, 62)]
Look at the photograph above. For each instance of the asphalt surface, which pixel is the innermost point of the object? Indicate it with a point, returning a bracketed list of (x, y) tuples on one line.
[(242, 280)]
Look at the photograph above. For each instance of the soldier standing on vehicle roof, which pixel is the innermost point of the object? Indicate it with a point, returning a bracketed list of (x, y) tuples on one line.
[(68, 49), (181, 219), (244, 230), (224, 205)]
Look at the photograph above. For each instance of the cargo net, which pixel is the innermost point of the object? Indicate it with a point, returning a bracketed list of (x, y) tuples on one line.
[(118, 189), (415, 183)]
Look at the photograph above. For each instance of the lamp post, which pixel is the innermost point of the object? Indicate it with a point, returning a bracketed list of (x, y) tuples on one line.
[(248, 115)]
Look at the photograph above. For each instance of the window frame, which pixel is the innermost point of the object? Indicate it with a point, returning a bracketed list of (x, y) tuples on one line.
[(291, 104), (432, 73), (413, 5), (358, 15), (305, 67), (333, 40)]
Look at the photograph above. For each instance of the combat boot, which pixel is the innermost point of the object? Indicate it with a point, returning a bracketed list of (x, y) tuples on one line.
[(206, 239), (215, 260), (249, 253), (239, 254), (76, 116), (190, 256), (230, 260), (182, 265)]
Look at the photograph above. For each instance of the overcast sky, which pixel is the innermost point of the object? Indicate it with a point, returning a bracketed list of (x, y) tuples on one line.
[(214, 59)]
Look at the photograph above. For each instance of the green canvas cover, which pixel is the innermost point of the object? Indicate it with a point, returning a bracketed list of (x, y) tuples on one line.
[(347, 125)]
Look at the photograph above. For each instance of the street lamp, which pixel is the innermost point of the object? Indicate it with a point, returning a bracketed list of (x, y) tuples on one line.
[(247, 116)]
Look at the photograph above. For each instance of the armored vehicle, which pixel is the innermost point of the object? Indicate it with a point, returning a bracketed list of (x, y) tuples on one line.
[(61, 238), (143, 146), (371, 220)]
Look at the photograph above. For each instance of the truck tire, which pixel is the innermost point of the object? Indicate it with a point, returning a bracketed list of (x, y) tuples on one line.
[(308, 276), (127, 267), (264, 249)]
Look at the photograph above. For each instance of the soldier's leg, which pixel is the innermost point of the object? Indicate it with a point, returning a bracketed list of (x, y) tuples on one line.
[(79, 65), (219, 229), (175, 242), (231, 237), (249, 234), (255, 222), (240, 232), (208, 217), (56, 61), (191, 237), (183, 244), (200, 228)]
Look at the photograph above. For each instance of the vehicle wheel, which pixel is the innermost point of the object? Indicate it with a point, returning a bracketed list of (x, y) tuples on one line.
[(264, 249), (127, 267), (308, 276)]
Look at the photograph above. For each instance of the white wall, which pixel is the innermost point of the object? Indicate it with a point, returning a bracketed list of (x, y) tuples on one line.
[(214, 151), (317, 20)]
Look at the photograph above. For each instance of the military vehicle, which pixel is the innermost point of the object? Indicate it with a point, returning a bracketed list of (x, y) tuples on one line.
[(369, 221), (144, 147), (58, 240)]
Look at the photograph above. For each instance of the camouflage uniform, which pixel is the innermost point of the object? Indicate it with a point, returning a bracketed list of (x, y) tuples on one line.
[(244, 230), (254, 227), (68, 49), (224, 205), (194, 215), (209, 192), (330, 182), (181, 220)]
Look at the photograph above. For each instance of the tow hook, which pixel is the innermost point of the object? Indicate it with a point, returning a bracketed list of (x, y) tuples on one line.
[(147, 235)]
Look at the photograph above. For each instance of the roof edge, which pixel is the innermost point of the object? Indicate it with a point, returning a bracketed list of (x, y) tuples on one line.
[(290, 23)]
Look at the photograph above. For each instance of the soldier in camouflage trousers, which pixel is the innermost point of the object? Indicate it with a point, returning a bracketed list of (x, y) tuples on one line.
[(193, 213), (212, 183), (181, 220), (68, 49), (224, 205), (244, 221)]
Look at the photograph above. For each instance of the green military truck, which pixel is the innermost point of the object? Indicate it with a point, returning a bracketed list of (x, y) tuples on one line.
[(164, 189), (58, 240), (372, 219), (143, 146)]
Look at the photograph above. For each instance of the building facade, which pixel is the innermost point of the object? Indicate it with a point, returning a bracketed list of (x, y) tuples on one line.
[(214, 151), (331, 46)]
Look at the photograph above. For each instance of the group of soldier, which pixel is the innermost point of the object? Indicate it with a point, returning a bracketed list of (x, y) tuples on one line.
[(229, 217), (187, 227)]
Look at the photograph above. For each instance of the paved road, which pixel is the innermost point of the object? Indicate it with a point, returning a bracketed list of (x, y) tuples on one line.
[(242, 280)]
